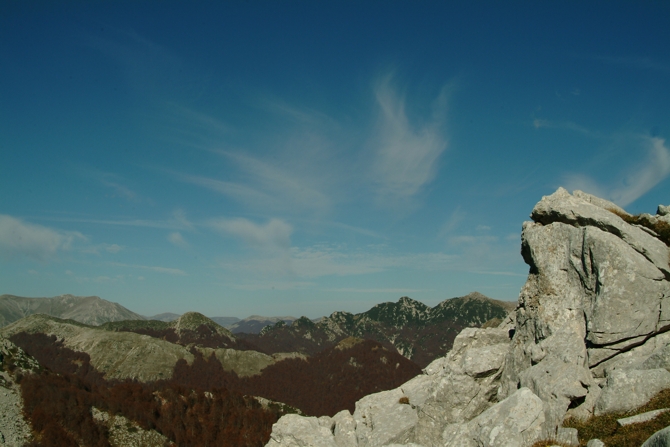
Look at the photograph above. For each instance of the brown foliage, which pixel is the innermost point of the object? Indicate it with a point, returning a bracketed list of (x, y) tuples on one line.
[(202, 404), (58, 402)]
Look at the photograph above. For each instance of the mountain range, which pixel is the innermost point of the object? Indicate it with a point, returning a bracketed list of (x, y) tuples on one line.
[(418, 332), (91, 310)]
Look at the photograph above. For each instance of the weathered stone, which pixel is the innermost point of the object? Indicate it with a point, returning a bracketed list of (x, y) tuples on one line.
[(663, 210), (596, 304), (595, 443), (516, 421), (562, 207), (643, 417), (292, 430), (558, 384), (465, 383), (629, 389), (659, 439), (382, 419), (345, 429)]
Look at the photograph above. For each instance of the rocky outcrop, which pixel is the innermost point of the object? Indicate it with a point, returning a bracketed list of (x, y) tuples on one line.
[(589, 335), (14, 430)]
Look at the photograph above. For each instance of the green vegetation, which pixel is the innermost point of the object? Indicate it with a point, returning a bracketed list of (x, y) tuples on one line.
[(660, 227), (133, 325)]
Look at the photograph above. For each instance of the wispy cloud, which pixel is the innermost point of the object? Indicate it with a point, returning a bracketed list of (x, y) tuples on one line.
[(325, 260), (178, 240), (406, 155), (273, 236), (564, 125), (96, 249), (114, 182), (19, 239), (172, 224), (455, 218), (265, 185), (275, 285), (635, 182), (153, 268)]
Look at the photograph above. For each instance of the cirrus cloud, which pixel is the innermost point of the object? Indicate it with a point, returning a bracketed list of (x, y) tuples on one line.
[(19, 239)]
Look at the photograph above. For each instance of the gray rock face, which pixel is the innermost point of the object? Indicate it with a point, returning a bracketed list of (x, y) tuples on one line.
[(659, 439), (517, 420), (626, 389), (589, 334)]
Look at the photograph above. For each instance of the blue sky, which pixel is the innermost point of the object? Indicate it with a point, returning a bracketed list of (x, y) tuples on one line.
[(302, 157)]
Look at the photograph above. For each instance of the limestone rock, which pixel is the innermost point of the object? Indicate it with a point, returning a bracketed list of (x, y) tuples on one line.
[(589, 335), (659, 439), (516, 421), (345, 429), (629, 389), (644, 417), (382, 419), (292, 430)]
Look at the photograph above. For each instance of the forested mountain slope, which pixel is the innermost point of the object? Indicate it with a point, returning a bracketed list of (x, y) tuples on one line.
[(418, 332)]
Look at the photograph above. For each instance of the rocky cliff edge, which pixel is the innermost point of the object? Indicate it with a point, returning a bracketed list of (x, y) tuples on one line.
[(590, 335)]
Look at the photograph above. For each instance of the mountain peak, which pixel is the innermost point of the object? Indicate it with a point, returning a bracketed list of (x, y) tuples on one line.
[(191, 321)]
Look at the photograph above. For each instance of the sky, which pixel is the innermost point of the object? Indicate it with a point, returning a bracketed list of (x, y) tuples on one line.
[(304, 157)]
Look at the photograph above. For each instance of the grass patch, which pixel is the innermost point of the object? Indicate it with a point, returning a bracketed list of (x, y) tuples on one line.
[(659, 227), (607, 429)]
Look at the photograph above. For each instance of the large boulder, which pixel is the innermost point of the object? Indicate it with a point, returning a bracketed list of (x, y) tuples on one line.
[(517, 420), (590, 335)]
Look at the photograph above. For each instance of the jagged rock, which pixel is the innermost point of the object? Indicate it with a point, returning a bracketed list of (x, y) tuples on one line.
[(663, 210), (381, 419), (345, 429), (463, 384), (516, 420), (299, 431), (659, 439)]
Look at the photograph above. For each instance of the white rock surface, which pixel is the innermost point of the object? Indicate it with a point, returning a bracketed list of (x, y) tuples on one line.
[(515, 421)]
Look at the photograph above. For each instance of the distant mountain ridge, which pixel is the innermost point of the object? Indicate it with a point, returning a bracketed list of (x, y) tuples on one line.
[(256, 323), (415, 330), (90, 310)]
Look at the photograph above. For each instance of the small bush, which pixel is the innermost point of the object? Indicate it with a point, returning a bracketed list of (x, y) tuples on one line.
[(404, 400)]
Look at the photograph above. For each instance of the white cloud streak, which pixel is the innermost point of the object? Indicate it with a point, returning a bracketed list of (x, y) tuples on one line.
[(19, 239), (634, 183), (153, 268), (405, 155), (273, 236)]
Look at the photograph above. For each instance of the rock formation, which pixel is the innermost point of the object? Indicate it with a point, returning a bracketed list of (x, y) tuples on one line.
[(14, 430), (589, 336)]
